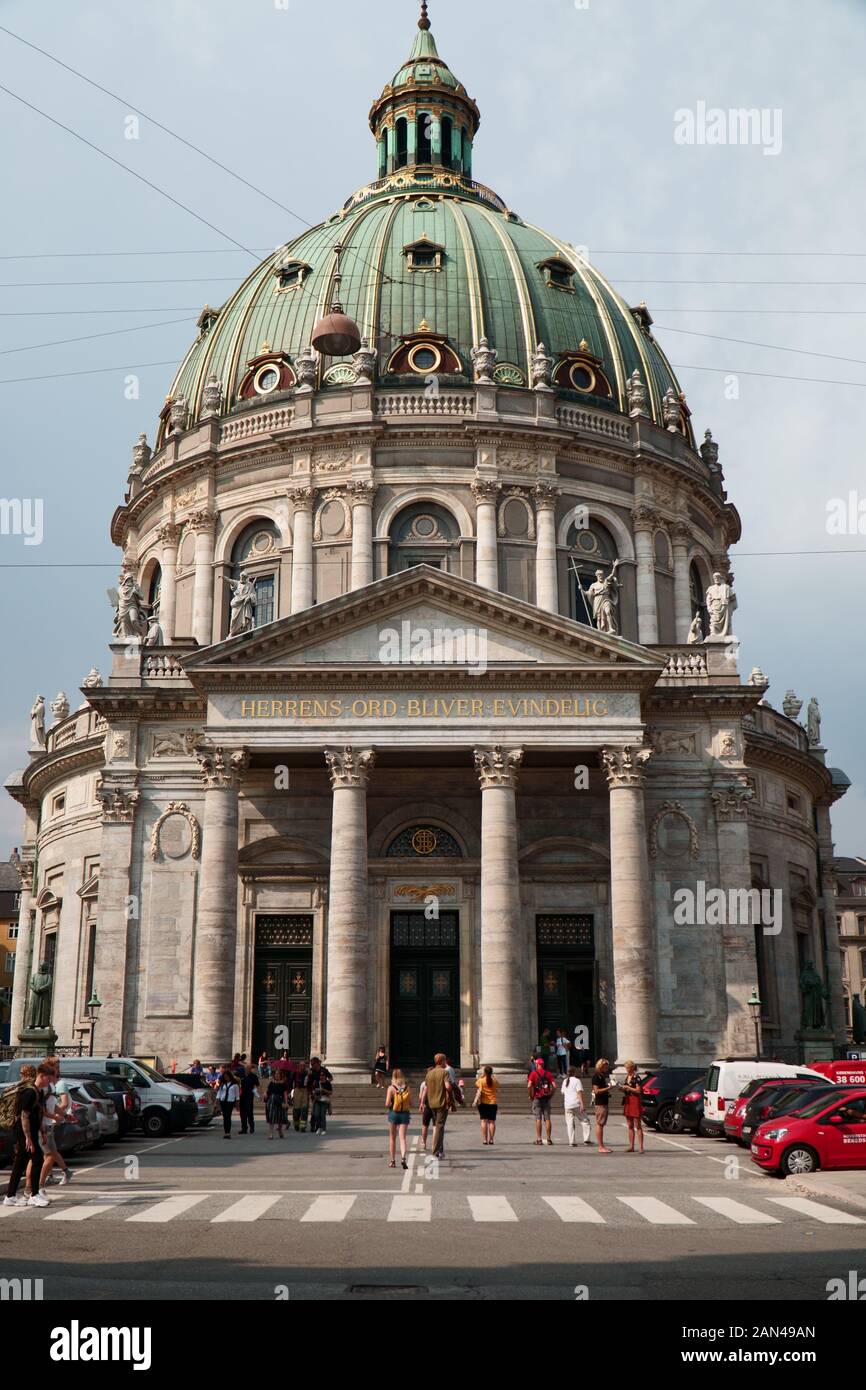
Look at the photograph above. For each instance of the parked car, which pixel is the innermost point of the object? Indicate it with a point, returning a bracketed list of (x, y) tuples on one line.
[(659, 1097), (205, 1095), (829, 1132), (127, 1101), (734, 1117), (850, 1071), (727, 1078), (689, 1108), (106, 1112), (4, 1068), (763, 1103), (84, 1112), (165, 1107)]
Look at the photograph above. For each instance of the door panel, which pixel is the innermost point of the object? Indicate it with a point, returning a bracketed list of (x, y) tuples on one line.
[(282, 997), (425, 994)]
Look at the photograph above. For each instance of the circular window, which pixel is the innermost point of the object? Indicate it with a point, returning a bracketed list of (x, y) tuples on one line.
[(586, 541), (424, 358), (266, 379), (582, 377), (425, 526)]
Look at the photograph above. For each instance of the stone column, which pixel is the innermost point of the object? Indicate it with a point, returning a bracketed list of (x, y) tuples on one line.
[(647, 615), (119, 910), (23, 952), (361, 498), (837, 1019), (634, 952), (486, 554), (682, 591), (168, 536), (546, 577), (204, 525), (217, 918), (731, 805), (505, 1026), (349, 959), (302, 548)]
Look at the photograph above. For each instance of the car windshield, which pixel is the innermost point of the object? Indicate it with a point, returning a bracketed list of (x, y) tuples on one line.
[(796, 1100), (151, 1074), (808, 1112), (712, 1082), (94, 1089)]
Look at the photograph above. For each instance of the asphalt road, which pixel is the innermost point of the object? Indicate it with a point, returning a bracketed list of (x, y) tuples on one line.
[(198, 1217)]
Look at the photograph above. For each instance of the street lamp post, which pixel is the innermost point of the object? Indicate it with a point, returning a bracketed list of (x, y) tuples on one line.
[(91, 1008), (754, 1004)]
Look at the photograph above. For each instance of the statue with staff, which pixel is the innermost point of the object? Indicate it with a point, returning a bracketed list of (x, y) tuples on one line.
[(603, 596), (242, 605)]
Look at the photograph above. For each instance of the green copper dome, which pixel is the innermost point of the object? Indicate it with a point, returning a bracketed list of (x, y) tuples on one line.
[(426, 249)]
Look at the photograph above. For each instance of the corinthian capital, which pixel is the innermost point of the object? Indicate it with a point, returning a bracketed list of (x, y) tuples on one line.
[(302, 498), (361, 492), (168, 533), (625, 766), (221, 767), (350, 767), (118, 802), (644, 518), (498, 766), (201, 520), (485, 489), (546, 495), (732, 802)]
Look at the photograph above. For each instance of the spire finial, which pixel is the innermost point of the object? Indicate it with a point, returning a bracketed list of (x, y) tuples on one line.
[(424, 21)]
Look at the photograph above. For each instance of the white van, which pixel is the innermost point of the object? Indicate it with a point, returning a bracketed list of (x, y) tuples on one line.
[(166, 1106), (727, 1076)]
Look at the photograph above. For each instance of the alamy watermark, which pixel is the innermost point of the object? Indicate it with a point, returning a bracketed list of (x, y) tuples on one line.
[(719, 907), (711, 125), (439, 646), (22, 516)]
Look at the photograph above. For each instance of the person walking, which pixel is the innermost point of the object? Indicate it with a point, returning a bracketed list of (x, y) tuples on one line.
[(26, 1124), (250, 1088), (575, 1108), (380, 1067), (264, 1065), (602, 1086), (301, 1097), (398, 1101), (562, 1045), (486, 1090), (275, 1103), (228, 1095), (53, 1111), (632, 1108), (439, 1100), (321, 1087), (541, 1087)]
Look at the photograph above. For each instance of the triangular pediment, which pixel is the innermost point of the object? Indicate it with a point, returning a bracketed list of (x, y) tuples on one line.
[(418, 619)]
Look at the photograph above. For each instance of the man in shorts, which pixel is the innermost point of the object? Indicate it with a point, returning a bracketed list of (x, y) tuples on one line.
[(541, 1085)]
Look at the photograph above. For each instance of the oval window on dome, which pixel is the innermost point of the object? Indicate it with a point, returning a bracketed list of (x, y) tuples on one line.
[(266, 379), (582, 377), (424, 358)]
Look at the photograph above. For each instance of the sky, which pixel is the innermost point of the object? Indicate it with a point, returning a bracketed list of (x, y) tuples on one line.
[(597, 123)]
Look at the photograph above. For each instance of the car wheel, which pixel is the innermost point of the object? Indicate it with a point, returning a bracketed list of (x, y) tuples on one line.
[(666, 1120), (154, 1124), (799, 1158)]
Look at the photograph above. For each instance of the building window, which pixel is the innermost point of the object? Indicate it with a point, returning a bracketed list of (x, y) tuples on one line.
[(861, 926), (10, 962), (590, 549), (425, 139), (291, 274), (13, 933), (858, 888), (794, 804), (58, 804), (402, 143), (447, 142), (423, 254), (264, 611), (558, 274), (423, 534), (422, 841)]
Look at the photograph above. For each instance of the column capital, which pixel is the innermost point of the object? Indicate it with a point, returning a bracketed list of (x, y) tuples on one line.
[(302, 498), (732, 801), (350, 767), (361, 492), (546, 495), (680, 533), (645, 518), (498, 766), (624, 767), (202, 520), (485, 489), (118, 801), (220, 767), (168, 533)]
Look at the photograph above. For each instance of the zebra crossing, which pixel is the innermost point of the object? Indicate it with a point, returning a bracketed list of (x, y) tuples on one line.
[(607, 1209)]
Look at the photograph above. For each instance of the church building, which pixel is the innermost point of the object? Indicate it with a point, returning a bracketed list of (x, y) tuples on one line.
[(424, 723)]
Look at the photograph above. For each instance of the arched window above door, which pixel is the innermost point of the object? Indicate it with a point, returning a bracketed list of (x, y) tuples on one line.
[(423, 534)]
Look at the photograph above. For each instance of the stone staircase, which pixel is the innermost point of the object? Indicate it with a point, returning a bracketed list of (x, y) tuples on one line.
[(368, 1099)]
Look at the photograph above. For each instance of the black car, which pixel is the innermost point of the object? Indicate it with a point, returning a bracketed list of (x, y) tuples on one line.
[(689, 1107), (127, 1101), (659, 1097), (780, 1100), (5, 1147)]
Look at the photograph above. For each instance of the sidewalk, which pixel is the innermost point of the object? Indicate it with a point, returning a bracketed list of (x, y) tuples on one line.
[(846, 1186)]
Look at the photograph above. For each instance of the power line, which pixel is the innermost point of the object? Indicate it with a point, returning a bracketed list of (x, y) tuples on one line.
[(91, 371), (64, 284), (86, 337), (51, 313), (76, 255), (842, 284), (225, 251), (775, 347), (772, 376)]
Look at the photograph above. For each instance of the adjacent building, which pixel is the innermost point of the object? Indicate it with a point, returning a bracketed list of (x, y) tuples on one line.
[(10, 900)]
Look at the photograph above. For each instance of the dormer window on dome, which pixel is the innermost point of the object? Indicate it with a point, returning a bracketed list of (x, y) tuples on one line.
[(291, 274), (558, 273), (424, 254), (206, 320), (582, 371), (426, 354), (267, 372)]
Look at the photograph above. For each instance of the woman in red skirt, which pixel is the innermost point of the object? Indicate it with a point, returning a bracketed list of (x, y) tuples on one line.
[(632, 1088)]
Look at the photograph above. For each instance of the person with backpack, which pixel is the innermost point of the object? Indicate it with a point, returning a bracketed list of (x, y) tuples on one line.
[(228, 1094), (21, 1111), (398, 1101), (486, 1089), (575, 1108), (540, 1086)]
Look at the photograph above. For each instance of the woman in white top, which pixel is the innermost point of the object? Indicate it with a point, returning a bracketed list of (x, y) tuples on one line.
[(575, 1109), (228, 1095), (562, 1043)]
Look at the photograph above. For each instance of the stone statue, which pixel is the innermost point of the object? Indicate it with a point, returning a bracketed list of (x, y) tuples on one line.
[(364, 361), (635, 394), (307, 369), (130, 615), (92, 679), (604, 597), (671, 412), (813, 723), (153, 636), (721, 602), (39, 1012), (696, 631), (542, 369), (814, 994), (243, 603), (791, 705), (483, 361), (710, 451), (211, 397), (59, 706), (37, 723), (140, 454)]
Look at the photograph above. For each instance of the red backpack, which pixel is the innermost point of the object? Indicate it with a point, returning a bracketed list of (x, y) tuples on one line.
[(541, 1087)]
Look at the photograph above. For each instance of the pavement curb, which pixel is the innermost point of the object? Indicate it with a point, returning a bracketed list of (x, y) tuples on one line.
[(807, 1188)]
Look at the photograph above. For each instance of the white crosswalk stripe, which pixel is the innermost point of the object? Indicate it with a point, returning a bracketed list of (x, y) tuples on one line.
[(410, 1208), (656, 1212), (247, 1209), (335, 1207), (737, 1212), (82, 1211), (574, 1209), (491, 1209), (169, 1209), (829, 1216)]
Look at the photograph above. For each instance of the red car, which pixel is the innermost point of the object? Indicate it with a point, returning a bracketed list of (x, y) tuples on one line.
[(829, 1132), (735, 1118)]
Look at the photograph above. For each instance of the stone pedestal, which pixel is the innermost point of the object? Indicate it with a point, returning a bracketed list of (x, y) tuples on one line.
[(818, 1044), (505, 1028), (346, 1030), (634, 950), (36, 1042), (217, 925)]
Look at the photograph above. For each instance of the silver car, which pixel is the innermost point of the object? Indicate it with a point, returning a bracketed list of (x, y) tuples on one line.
[(102, 1110)]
